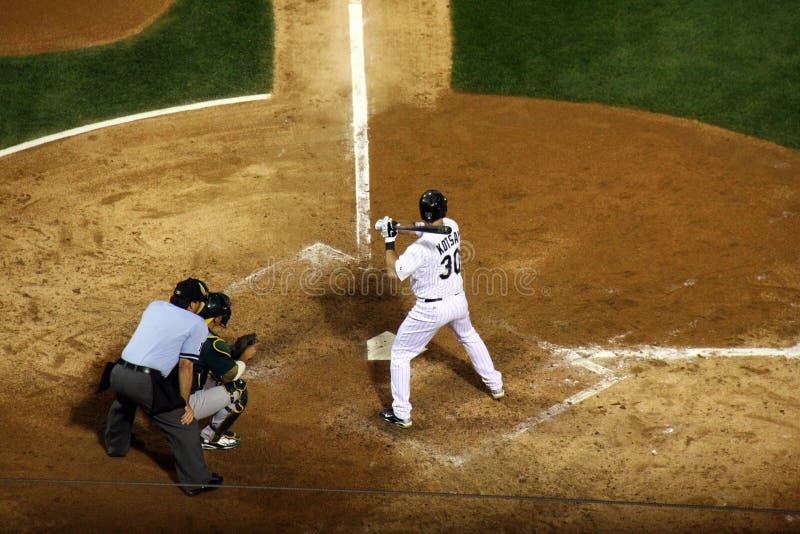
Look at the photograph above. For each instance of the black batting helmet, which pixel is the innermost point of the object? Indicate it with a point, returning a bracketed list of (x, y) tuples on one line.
[(432, 205), (218, 305)]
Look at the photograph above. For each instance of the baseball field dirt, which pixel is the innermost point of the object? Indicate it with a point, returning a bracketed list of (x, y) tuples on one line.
[(40, 26), (586, 229)]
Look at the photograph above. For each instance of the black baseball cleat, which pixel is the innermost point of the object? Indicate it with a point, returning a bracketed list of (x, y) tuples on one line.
[(213, 483), (388, 415)]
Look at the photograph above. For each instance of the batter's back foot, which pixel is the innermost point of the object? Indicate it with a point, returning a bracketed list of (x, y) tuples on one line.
[(389, 416)]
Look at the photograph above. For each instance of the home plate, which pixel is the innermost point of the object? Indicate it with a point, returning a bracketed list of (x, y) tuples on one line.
[(380, 347)]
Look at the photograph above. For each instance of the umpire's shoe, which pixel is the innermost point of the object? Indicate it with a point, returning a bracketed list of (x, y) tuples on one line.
[(214, 482), (388, 415)]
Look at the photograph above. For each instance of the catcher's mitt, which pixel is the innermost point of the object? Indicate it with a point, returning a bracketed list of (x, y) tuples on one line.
[(241, 343)]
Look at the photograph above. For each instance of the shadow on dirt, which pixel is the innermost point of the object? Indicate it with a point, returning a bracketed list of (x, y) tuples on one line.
[(91, 410), (457, 362), (366, 303)]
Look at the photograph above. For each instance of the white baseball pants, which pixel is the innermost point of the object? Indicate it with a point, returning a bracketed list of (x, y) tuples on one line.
[(418, 328)]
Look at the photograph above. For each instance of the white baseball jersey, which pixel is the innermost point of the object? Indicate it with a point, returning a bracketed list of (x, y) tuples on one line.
[(433, 262), (165, 333)]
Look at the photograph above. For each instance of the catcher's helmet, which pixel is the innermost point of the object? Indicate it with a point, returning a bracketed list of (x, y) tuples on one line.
[(218, 304), (432, 205)]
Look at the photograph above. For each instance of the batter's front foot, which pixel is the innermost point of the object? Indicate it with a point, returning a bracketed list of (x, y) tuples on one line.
[(389, 416), (498, 394)]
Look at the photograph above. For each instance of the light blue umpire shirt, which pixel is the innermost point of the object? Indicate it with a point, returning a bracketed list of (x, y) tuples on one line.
[(165, 333)]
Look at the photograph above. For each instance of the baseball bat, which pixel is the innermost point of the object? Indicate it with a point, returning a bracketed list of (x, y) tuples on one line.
[(446, 230)]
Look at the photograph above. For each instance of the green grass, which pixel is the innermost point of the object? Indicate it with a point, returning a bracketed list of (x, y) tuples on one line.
[(732, 63), (200, 50)]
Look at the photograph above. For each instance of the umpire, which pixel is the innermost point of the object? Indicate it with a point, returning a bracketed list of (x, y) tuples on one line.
[(169, 334)]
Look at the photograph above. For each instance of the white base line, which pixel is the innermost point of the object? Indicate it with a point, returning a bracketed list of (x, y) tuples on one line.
[(360, 138), (130, 118), (608, 380), (564, 405), (650, 352), (583, 357)]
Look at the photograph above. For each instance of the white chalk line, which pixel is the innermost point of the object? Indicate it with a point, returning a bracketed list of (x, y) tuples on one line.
[(651, 352), (583, 357), (609, 379), (318, 255), (321, 255), (648, 352), (360, 129), (130, 118), (564, 405)]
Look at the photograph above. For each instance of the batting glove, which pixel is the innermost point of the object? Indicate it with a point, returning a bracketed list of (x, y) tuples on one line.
[(388, 229)]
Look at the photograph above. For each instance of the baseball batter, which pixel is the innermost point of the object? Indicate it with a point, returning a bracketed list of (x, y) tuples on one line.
[(433, 262)]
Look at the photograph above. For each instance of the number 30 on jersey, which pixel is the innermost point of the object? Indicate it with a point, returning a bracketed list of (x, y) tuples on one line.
[(451, 263)]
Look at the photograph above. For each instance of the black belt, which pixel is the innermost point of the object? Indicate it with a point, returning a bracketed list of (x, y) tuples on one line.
[(440, 298), (138, 368)]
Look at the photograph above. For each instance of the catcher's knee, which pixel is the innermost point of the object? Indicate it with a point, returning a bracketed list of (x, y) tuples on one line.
[(240, 387), (236, 385), (241, 404)]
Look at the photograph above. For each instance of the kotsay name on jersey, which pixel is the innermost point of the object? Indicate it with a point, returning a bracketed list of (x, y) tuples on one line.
[(445, 244)]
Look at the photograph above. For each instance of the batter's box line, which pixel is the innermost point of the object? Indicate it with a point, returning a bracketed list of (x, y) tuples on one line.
[(318, 255), (563, 406), (583, 357), (609, 379), (651, 352)]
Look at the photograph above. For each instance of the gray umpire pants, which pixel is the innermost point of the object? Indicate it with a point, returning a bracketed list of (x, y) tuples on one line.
[(134, 388)]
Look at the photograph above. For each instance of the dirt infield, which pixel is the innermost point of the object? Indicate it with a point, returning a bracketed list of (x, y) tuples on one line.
[(38, 26), (584, 226)]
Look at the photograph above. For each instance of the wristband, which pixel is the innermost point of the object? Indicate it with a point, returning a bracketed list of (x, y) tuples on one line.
[(390, 245)]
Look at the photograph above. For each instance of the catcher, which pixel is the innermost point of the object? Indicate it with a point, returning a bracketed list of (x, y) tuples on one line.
[(224, 396)]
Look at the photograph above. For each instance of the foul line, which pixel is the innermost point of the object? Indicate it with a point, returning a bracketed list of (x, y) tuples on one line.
[(650, 352), (130, 118), (429, 494), (360, 138), (583, 357)]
